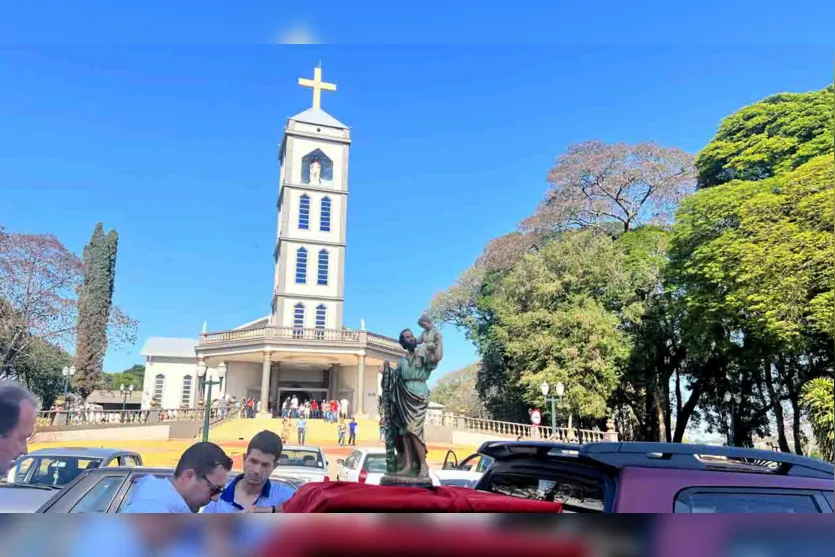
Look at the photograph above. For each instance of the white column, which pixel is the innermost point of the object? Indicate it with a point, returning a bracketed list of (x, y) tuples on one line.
[(198, 394), (359, 394), (265, 383)]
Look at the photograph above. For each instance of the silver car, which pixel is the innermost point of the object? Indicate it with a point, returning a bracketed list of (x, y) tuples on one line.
[(302, 464)]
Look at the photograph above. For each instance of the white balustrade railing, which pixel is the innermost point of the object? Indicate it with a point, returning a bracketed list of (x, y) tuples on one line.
[(294, 334), (51, 418), (528, 431), (383, 342)]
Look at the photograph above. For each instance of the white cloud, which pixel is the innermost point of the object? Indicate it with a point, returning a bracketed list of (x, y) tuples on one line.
[(297, 34)]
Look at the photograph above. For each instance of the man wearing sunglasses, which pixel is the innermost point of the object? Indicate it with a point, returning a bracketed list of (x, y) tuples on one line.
[(199, 479), (252, 491)]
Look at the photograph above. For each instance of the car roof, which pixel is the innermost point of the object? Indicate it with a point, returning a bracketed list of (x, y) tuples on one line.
[(680, 456), (82, 452), (300, 448)]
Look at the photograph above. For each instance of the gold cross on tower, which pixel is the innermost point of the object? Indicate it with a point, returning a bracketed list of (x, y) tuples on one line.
[(318, 86)]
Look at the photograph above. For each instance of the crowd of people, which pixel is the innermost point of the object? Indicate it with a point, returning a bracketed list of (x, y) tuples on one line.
[(328, 410)]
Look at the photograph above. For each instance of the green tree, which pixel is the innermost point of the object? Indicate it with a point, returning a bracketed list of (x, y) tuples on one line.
[(753, 261), (39, 369), (775, 135), (458, 392), (134, 375), (559, 315), (94, 307), (818, 400)]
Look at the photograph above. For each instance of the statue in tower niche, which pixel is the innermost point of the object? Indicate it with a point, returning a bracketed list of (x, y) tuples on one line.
[(315, 171), (403, 406)]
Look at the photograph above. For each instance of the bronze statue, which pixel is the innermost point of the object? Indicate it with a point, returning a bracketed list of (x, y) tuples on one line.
[(403, 409)]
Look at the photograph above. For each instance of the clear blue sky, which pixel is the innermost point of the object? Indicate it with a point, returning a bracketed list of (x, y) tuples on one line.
[(175, 147)]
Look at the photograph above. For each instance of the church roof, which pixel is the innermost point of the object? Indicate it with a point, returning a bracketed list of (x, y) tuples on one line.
[(260, 322), (171, 347), (318, 117)]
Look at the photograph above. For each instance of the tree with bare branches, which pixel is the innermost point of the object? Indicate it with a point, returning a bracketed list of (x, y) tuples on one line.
[(38, 281), (595, 184), (39, 287)]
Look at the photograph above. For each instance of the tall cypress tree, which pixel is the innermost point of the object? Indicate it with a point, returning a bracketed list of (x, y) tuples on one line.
[(94, 302)]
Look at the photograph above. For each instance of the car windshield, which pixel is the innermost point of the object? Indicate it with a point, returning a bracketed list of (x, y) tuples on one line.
[(310, 459), (53, 471), (375, 464), (459, 482)]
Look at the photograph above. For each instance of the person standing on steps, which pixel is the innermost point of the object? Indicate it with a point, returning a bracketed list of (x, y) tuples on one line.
[(341, 431), (301, 429), (352, 432)]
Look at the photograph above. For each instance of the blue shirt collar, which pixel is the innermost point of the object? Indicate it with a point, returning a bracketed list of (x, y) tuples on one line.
[(228, 494)]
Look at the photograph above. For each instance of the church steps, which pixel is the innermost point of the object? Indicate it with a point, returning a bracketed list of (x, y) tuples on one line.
[(318, 431)]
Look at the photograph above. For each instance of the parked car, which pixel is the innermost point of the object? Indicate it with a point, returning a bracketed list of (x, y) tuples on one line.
[(464, 474), (302, 464), (368, 466), (107, 490), (24, 498), (56, 468), (658, 477)]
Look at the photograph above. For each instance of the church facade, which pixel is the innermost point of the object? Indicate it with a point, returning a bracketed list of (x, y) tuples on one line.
[(301, 347)]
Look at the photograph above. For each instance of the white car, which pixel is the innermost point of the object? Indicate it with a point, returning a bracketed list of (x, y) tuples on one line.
[(368, 466), (465, 474), (302, 465)]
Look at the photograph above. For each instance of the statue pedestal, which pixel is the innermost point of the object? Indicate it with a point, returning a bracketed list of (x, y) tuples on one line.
[(406, 481)]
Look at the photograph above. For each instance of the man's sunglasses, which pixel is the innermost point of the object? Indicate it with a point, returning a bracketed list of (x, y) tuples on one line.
[(216, 489)]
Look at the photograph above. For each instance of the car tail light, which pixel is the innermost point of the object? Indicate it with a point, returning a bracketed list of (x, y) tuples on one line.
[(363, 476), (326, 479)]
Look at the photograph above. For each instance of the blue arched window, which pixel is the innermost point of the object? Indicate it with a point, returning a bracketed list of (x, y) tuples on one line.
[(298, 320), (323, 267), (301, 266), (325, 216), (321, 319), (304, 212)]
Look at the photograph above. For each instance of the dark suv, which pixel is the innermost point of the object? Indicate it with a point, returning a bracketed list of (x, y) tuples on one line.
[(658, 477)]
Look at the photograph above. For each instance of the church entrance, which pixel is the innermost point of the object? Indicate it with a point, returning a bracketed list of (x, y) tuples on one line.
[(303, 394)]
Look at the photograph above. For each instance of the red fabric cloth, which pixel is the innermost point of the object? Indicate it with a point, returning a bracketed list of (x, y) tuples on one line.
[(318, 539), (325, 497)]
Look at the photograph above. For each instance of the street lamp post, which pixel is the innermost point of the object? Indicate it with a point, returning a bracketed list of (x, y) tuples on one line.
[(125, 394), (559, 390), (67, 372), (731, 399), (201, 372)]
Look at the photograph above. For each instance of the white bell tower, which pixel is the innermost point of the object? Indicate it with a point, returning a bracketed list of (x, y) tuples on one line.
[(308, 290)]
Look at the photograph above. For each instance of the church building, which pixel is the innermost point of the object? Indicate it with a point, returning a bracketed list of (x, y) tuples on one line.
[(302, 346)]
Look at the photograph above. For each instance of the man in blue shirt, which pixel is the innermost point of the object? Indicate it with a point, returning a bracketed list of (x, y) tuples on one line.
[(252, 491), (198, 479)]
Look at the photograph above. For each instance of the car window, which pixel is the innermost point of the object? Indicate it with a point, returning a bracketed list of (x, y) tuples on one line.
[(375, 464), (132, 488), (23, 466), (113, 462), (99, 498), (740, 501), (310, 459), (57, 471), (352, 460), (830, 496), (129, 461), (459, 482), (577, 494), (483, 464)]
